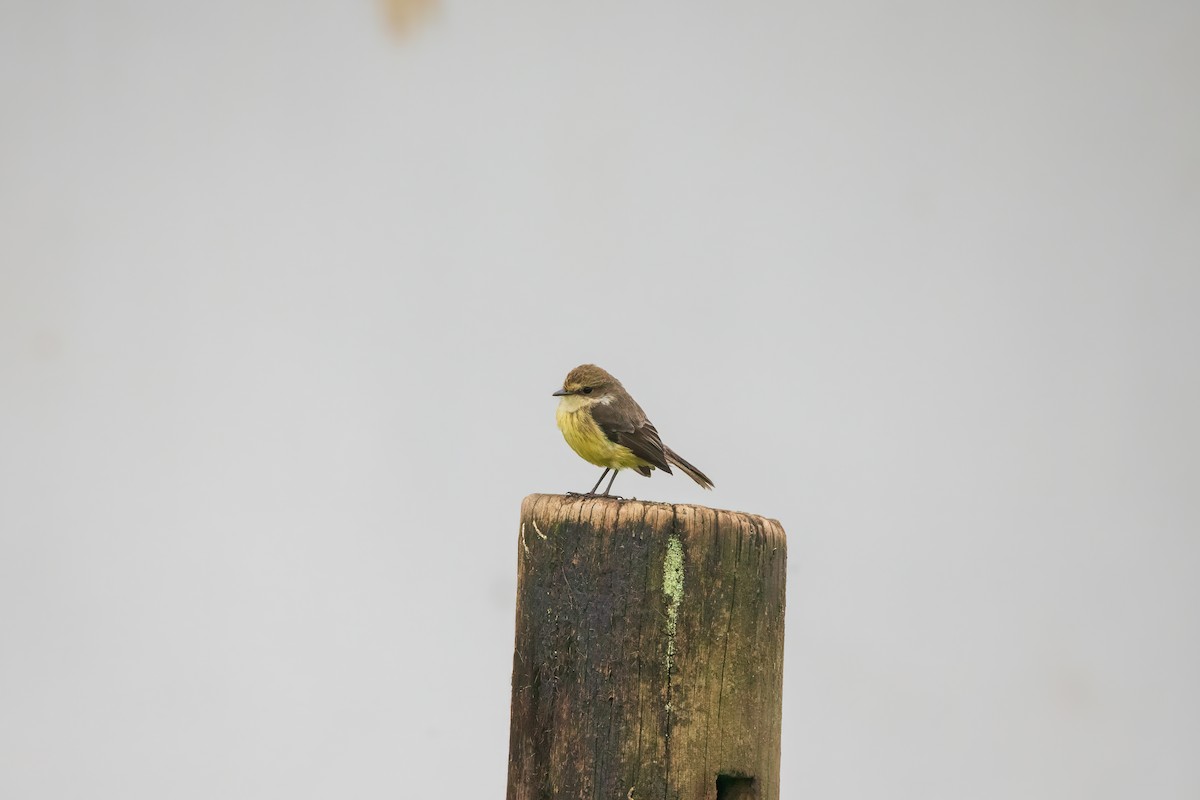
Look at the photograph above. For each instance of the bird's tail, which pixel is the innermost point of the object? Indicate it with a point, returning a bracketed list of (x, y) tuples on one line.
[(693, 473)]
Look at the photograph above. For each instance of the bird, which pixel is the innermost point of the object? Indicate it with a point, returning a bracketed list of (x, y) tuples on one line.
[(604, 425)]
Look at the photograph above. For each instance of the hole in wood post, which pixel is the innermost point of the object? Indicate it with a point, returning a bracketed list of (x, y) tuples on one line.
[(736, 787)]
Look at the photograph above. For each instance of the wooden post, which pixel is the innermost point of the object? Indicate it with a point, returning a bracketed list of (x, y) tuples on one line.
[(649, 652)]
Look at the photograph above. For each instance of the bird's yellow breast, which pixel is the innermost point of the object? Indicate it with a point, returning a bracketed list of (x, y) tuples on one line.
[(585, 437)]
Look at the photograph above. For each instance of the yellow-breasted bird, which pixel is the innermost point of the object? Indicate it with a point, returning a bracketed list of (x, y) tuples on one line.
[(607, 427)]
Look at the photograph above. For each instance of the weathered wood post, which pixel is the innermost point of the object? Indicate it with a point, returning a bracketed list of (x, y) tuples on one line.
[(649, 652)]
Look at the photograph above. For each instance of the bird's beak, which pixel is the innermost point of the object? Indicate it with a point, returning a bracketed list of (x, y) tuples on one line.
[(561, 392)]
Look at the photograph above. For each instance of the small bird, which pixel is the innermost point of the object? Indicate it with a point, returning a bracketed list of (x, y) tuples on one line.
[(607, 427)]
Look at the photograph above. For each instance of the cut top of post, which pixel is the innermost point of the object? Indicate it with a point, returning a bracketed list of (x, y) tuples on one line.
[(611, 512)]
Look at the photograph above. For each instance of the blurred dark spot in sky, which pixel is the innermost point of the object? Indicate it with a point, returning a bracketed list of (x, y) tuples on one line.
[(404, 16)]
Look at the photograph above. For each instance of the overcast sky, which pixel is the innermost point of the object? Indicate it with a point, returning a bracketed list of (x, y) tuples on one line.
[(284, 294)]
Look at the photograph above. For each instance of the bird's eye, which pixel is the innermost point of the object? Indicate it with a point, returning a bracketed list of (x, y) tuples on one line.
[(587, 390)]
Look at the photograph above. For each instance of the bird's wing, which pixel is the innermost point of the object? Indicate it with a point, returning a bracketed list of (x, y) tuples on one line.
[(639, 436)]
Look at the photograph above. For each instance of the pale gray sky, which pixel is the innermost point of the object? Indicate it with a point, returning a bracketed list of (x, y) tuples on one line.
[(283, 298)]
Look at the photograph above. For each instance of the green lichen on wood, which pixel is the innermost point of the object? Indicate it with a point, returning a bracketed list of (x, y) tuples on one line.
[(673, 589)]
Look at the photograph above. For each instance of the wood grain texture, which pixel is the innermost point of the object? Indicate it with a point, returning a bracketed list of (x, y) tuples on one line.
[(649, 652)]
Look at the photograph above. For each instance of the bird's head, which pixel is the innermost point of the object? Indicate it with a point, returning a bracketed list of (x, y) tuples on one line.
[(588, 381)]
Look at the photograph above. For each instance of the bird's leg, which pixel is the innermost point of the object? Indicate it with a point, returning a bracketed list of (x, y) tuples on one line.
[(592, 493), (608, 488)]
